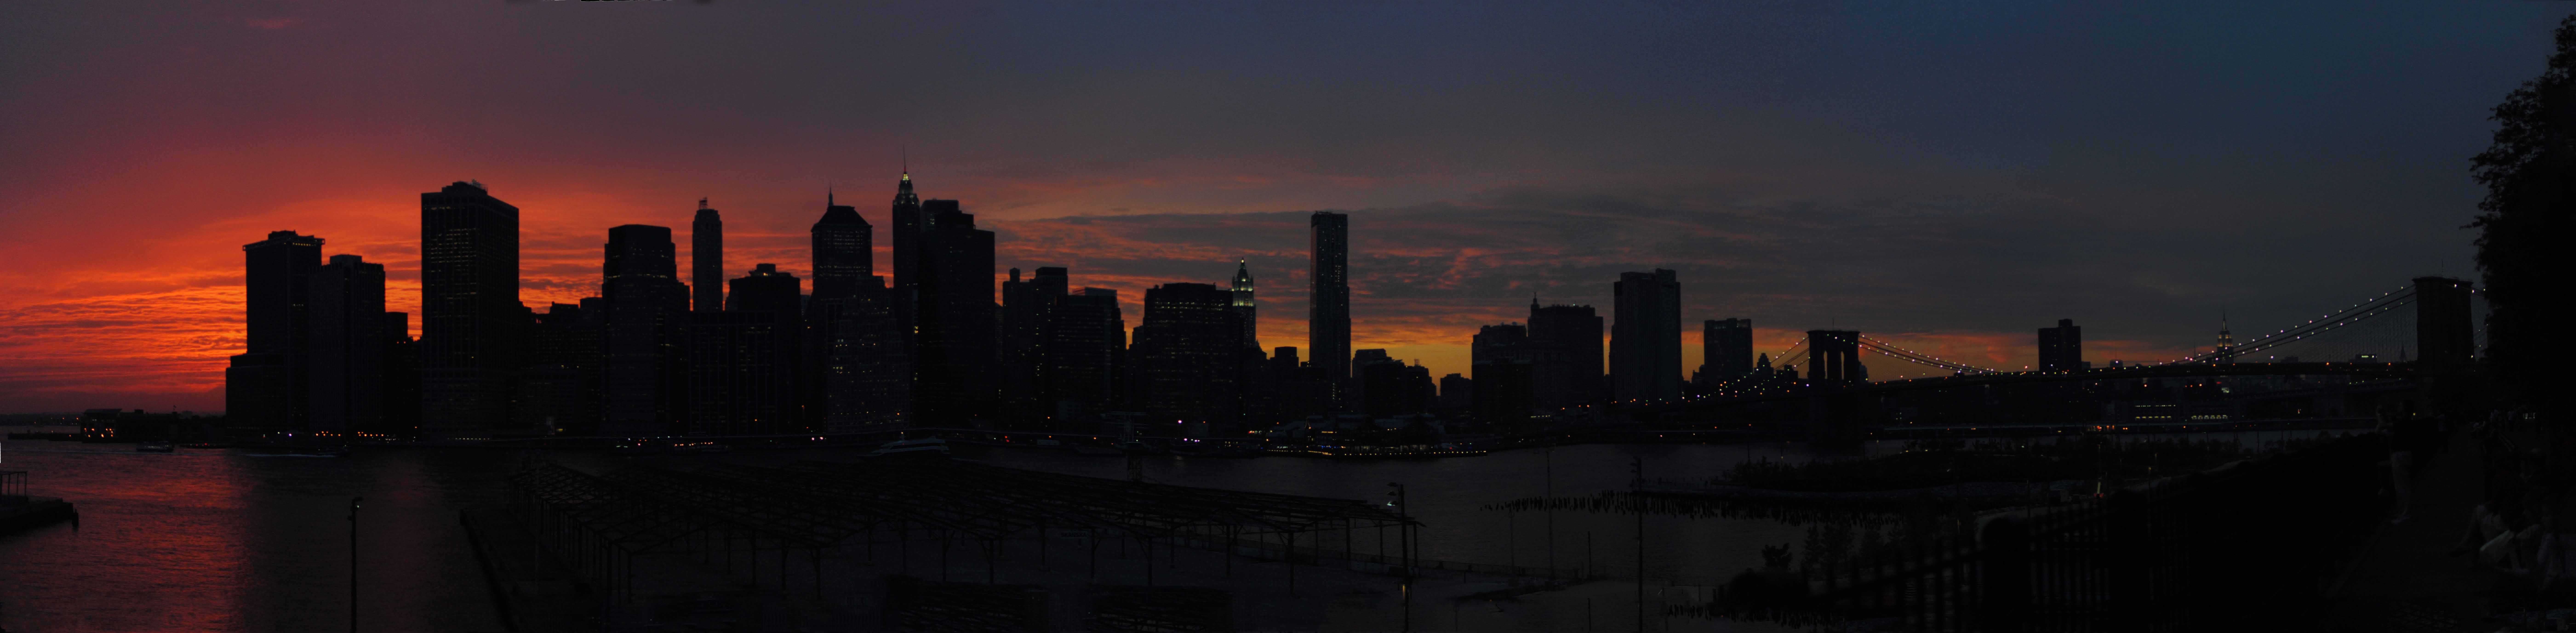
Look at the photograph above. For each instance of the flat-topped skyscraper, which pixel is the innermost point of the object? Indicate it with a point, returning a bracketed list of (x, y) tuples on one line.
[(275, 279), (471, 322), (644, 332), (1328, 302), (1646, 336), (348, 346)]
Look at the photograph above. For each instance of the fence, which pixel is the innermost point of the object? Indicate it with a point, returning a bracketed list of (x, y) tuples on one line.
[(2245, 546)]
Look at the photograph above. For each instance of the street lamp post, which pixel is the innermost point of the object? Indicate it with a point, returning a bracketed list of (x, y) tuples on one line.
[(1404, 548), (353, 563)]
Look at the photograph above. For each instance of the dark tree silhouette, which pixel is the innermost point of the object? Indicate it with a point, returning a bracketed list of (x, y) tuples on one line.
[(2530, 175)]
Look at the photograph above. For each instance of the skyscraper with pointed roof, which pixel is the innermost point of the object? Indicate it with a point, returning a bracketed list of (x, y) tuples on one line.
[(706, 259), (1243, 303)]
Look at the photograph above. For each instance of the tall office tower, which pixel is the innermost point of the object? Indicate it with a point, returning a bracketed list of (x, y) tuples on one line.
[(1504, 393), (2226, 352), (842, 258), (1646, 336), (401, 378), (348, 346), (779, 295), (2061, 348), (1245, 309), (559, 390), (1565, 355), (706, 260), (471, 323), (957, 353), (867, 383), (276, 280), (644, 334), (1498, 342), (1185, 353), (1726, 349), (1388, 387), (1457, 391), (735, 383), (1086, 354), (1833, 357), (844, 269), (1328, 302), (1026, 309), (907, 218)]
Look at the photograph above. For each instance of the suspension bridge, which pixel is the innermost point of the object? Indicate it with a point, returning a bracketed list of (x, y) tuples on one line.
[(1827, 363)]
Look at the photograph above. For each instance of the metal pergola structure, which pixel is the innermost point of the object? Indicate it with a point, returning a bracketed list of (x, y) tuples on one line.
[(598, 523)]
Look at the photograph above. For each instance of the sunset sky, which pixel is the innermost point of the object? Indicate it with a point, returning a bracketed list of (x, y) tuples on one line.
[(1944, 176)]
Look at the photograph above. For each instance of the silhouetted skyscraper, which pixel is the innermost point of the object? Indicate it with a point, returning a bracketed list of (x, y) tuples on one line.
[(907, 218), (1726, 349), (1646, 336), (1244, 307), (1328, 302), (1457, 391), (706, 259), (1185, 352), (958, 373), (472, 325), (2061, 348), (1504, 390), (842, 258), (277, 289), (844, 279), (1496, 343), (1565, 355), (348, 346), (868, 382), (1086, 353), (646, 332), (773, 366), (401, 379), (1026, 309), (2226, 351), (559, 390)]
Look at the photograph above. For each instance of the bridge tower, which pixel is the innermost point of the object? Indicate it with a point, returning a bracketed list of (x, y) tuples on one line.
[(1833, 357), (2444, 337), (2226, 353)]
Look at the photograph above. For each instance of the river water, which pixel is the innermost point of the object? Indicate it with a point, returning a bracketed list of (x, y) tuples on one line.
[(222, 540)]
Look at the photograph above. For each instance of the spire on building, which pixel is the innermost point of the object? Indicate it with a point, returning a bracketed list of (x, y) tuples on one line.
[(702, 202)]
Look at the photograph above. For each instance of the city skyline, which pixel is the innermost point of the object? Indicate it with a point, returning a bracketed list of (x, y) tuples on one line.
[(1460, 227)]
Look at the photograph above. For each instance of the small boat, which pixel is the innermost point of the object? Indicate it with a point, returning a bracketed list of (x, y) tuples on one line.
[(930, 446), (155, 447)]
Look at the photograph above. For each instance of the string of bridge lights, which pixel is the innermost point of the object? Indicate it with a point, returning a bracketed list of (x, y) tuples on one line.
[(1919, 357), (2311, 327)]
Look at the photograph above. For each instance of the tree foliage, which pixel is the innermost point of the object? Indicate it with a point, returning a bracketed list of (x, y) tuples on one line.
[(2530, 175)]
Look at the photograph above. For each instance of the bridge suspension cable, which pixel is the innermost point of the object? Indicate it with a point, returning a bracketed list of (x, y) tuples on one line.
[(2354, 313), (1919, 358)]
